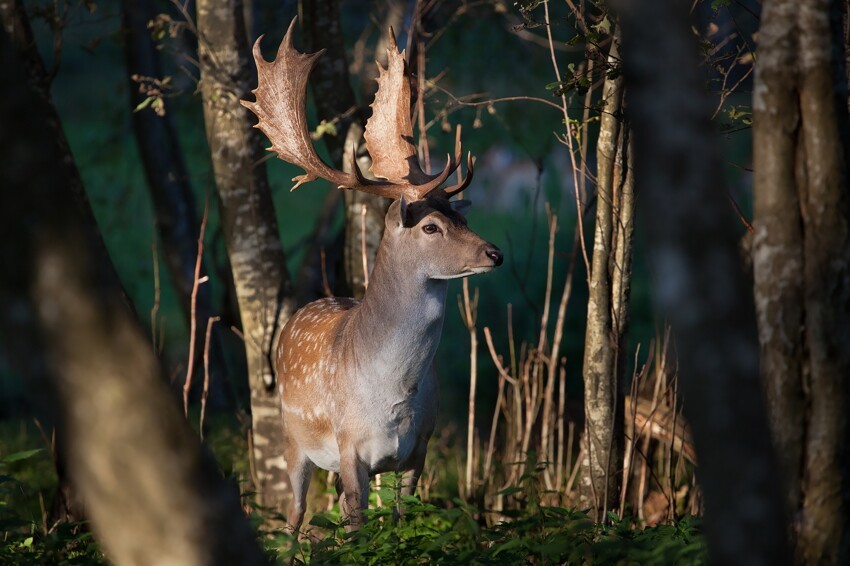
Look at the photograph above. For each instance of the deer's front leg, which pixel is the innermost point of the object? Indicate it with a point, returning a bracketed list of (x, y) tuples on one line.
[(411, 474), (414, 467), (355, 488)]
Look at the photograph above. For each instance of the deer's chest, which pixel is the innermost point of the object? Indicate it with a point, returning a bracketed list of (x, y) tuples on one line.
[(384, 442), (389, 441)]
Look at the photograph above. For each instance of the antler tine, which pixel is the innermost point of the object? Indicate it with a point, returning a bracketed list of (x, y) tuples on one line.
[(366, 185), (286, 43), (393, 45), (281, 111), (452, 163), (467, 179)]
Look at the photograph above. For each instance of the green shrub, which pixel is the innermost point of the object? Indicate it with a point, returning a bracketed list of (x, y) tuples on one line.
[(457, 534)]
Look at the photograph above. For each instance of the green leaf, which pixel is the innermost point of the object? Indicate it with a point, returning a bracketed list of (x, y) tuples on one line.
[(18, 456), (510, 545), (604, 26), (574, 40), (510, 491), (324, 128), (323, 522), (143, 104)]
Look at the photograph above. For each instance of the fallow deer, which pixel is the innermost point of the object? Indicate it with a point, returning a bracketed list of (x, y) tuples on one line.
[(356, 379)]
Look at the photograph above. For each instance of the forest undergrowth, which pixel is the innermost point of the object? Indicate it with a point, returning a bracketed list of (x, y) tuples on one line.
[(445, 529)]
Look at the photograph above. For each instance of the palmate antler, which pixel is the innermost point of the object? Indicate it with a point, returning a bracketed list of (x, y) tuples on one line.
[(280, 106)]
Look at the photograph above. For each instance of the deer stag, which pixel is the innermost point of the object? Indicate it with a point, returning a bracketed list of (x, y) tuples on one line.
[(356, 379)]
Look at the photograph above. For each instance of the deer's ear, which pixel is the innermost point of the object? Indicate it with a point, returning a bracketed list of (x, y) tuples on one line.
[(403, 212), (461, 206)]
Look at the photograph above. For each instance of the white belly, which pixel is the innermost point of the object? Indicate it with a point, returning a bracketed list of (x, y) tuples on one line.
[(385, 449), (325, 456)]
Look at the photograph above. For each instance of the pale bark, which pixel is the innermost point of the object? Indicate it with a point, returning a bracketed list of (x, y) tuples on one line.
[(624, 227), (802, 261), (250, 229), (699, 284), (778, 246), (152, 495), (334, 98), (603, 402)]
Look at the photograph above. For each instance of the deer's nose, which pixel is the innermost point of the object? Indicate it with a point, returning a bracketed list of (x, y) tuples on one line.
[(495, 254)]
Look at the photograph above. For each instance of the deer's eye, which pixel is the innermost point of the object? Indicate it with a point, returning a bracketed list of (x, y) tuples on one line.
[(430, 229)]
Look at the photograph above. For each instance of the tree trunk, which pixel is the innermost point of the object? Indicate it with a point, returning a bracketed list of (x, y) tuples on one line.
[(334, 98), (171, 192), (65, 506), (17, 26), (700, 285), (152, 494), (801, 257), (603, 399), (250, 229)]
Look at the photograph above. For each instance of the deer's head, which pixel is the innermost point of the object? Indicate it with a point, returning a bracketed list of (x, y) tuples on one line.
[(423, 223), (432, 233)]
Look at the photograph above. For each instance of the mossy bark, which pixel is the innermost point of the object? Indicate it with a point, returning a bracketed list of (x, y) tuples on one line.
[(801, 260)]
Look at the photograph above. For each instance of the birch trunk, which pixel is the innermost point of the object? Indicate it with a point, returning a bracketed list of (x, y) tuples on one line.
[(802, 262), (700, 285), (250, 229), (603, 402)]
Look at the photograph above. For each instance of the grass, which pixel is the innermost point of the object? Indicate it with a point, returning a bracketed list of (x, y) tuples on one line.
[(442, 530)]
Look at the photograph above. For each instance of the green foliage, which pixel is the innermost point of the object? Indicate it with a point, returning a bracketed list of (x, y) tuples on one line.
[(457, 533), (739, 116), (443, 531), (27, 541)]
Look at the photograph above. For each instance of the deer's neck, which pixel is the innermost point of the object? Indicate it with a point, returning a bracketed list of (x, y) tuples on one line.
[(400, 319)]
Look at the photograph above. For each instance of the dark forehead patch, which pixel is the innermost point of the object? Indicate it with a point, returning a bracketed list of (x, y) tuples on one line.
[(420, 209)]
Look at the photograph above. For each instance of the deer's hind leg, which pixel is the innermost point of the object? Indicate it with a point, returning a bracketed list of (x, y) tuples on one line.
[(355, 488), (300, 470)]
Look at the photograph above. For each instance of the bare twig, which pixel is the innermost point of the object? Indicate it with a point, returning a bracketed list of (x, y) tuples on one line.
[(470, 313), (156, 294), (192, 318), (568, 138), (488, 459), (212, 320)]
